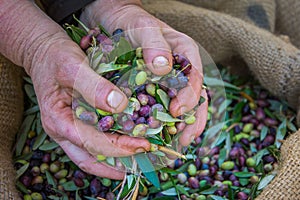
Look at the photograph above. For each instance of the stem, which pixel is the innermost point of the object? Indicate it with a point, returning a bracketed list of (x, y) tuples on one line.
[(171, 152)]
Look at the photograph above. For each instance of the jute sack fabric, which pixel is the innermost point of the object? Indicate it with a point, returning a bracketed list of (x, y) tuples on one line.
[(11, 112), (227, 30), (274, 61)]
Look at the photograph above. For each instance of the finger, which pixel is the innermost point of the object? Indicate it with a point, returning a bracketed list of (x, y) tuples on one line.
[(96, 90), (156, 51), (88, 163), (188, 97), (96, 142), (194, 130)]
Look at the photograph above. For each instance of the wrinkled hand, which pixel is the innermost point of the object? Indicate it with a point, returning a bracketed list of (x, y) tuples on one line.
[(158, 40), (59, 69)]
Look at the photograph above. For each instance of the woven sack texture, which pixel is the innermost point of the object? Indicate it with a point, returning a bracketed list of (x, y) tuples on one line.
[(227, 31), (273, 61), (11, 111)]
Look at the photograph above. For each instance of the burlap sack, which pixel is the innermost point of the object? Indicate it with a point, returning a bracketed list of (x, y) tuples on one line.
[(11, 111), (272, 60), (286, 184), (247, 30)]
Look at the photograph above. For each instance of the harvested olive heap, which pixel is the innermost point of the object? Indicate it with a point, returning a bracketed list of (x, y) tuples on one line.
[(237, 164)]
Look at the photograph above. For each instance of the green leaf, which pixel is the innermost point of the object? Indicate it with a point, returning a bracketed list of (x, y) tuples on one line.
[(22, 170), (22, 134), (126, 161), (263, 133), (129, 109), (130, 180), (32, 110), (50, 179), (39, 140), (155, 141), (89, 198), (22, 188), (164, 198), (221, 138), (222, 156), (147, 168), (122, 51), (265, 181), (182, 190), (259, 155), (243, 174), (165, 117), (108, 67), (169, 171), (75, 33), (77, 197), (244, 181), (291, 126), (218, 82), (70, 185), (30, 93), (153, 131), (64, 159), (48, 146), (170, 192), (110, 161), (281, 132), (165, 99), (215, 197), (210, 190), (211, 133)]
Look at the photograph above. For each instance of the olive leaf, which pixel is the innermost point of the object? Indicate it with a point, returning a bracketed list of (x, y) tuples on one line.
[(281, 132), (22, 170), (50, 179), (48, 146), (165, 117), (153, 131), (265, 181), (147, 168), (74, 32), (165, 99), (23, 131), (122, 52), (218, 82), (263, 133), (39, 140)]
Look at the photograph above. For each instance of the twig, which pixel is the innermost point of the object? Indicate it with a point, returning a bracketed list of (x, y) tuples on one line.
[(171, 152), (122, 187)]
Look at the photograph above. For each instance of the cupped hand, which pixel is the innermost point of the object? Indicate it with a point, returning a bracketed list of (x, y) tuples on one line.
[(61, 72), (158, 41)]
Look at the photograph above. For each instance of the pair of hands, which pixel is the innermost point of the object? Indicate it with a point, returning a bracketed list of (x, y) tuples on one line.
[(59, 69)]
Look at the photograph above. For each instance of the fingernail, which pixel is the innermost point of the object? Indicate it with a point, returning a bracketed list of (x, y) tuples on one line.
[(192, 138), (140, 150), (183, 109), (115, 98), (160, 61)]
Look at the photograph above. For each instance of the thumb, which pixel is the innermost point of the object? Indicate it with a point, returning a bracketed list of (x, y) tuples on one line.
[(156, 51), (96, 90)]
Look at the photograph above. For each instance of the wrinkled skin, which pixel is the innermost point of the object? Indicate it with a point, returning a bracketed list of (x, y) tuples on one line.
[(59, 70)]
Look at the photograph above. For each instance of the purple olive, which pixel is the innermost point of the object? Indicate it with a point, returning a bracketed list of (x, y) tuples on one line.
[(153, 123), (95, 186), (193, 182), (145, 111), (140, 120), (151, 100), (260, 113), (105, 123), (158, 107), (143, 99), (172, 92), (85, 41), (242, 196), (128, 126)]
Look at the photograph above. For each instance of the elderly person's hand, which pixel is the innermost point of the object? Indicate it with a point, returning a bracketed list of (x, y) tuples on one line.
[(59, 69), (158, 40)]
